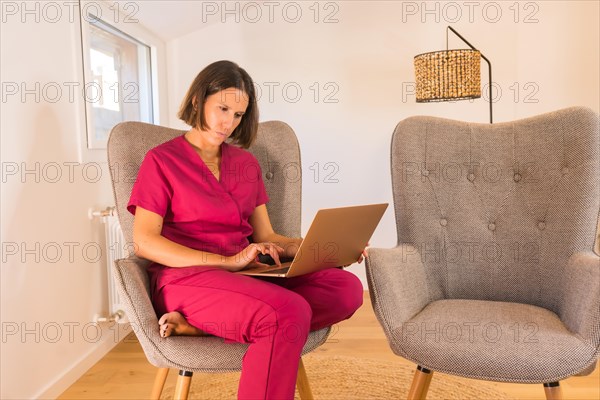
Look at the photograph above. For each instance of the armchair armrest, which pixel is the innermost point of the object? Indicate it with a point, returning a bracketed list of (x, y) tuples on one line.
[(579, 307), (397, 285), (133, 286)]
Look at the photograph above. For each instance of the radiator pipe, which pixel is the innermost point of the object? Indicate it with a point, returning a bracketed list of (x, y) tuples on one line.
[(107, 212), (113, 318)]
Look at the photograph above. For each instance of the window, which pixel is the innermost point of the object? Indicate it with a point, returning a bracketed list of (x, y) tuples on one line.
[(118, 79)]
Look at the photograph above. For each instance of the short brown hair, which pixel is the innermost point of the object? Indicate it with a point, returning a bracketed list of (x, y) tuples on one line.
[(215, 77)]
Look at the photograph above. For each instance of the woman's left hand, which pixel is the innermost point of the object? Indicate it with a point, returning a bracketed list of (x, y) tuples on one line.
[(362, 256)]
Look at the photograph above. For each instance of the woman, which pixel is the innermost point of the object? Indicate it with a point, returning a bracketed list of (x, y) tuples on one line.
[(196, 201)]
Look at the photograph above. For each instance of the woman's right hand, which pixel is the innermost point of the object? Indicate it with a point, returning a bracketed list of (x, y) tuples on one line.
[(250, 254)]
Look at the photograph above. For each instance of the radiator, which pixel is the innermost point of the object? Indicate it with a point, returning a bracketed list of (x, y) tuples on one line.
[(115, 248)]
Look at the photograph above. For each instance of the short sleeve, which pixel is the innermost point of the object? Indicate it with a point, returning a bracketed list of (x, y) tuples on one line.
[(261, 193), (152, 190)]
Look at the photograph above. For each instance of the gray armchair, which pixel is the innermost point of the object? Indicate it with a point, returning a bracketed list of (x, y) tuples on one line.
[(494, 276), (277, 150)]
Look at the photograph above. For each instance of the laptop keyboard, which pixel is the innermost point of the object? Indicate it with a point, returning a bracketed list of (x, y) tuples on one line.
[(267, 259), (276, 271)]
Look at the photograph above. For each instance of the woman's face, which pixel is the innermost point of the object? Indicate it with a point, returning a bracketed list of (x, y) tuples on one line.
[(223, 112)]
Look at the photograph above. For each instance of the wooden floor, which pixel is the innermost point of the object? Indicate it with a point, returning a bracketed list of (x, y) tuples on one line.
[(124, 373)]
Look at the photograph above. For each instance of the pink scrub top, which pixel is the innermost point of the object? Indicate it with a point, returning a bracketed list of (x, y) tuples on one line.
[(198, 210)]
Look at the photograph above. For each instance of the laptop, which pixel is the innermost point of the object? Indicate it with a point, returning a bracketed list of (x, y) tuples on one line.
[(336, 237)]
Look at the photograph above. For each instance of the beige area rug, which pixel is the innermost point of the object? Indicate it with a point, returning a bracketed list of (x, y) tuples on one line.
[(344, 378)]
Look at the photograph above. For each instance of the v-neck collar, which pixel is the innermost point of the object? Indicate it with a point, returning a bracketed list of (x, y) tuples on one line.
[(203, 165)]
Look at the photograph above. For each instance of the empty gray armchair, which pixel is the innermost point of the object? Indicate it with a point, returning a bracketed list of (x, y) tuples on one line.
[(494, 276), (278, 153)]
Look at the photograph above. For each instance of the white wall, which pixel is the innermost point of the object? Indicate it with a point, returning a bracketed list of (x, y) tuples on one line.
[(44, 287), (368, 55), (53, 281)]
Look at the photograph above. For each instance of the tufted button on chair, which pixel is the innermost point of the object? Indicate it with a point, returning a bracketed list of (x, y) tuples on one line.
[(493, 278), (276, 147)]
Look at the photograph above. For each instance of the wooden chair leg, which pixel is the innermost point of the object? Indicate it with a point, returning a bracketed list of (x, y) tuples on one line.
[(159, 383), (182, 387), (302, 383), (553, 391), (420, 384)]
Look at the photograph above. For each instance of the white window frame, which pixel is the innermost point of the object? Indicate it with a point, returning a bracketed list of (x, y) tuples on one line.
[(127, 24)]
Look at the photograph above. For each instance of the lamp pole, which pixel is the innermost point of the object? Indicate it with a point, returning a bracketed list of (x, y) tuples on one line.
[(482, 56)]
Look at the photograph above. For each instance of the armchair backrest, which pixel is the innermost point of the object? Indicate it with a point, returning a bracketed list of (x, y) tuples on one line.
[(276, 149), (495, 211)]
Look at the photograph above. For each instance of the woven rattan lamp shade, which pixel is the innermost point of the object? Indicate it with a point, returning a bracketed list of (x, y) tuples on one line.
[(448, 75)]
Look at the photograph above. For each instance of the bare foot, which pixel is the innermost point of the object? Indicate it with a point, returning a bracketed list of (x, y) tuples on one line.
[(173, 323)]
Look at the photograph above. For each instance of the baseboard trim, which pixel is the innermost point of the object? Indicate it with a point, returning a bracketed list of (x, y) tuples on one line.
[(79, 368)]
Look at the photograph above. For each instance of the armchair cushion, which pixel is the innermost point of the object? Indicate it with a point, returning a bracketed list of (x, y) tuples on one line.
[(190, 353), (493, 340)]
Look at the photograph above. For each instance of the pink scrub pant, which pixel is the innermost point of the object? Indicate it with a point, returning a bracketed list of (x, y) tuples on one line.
[(273, 315)]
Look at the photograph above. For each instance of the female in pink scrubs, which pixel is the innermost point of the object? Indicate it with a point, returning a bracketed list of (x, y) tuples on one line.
[(196, 201)]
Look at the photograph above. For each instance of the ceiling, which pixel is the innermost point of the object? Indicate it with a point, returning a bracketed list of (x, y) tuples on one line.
[(169, 19)]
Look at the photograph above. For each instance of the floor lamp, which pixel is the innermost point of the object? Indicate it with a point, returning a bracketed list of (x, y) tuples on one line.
[(451, 74)]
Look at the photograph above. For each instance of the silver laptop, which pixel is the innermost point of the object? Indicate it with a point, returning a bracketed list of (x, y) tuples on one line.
[(336, 237)]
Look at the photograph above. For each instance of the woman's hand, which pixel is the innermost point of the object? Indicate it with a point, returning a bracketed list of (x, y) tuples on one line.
[(364, 253), (250, 254), (264, 233), (361, 257)]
